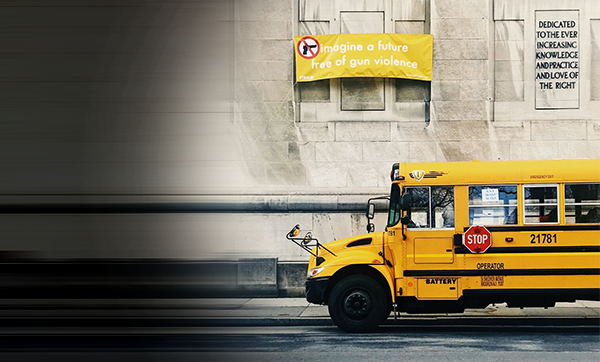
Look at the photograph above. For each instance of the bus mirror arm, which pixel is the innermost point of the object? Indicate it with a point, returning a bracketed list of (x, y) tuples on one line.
[(305, 242), (370, 214), (405, 220)]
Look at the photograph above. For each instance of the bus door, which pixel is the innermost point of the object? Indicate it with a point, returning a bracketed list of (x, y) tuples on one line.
[(430, 228)]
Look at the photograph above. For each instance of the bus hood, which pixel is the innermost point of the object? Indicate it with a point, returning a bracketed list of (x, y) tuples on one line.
[(342, 246)]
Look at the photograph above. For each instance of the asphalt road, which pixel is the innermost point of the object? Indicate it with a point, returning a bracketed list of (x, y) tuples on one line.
[(469, 343)]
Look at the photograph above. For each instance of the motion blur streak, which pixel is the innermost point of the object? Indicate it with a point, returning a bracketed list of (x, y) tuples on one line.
[(115, 120), (102, 102)]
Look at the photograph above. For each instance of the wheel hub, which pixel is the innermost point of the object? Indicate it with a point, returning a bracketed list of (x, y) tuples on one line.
[(357, 304)]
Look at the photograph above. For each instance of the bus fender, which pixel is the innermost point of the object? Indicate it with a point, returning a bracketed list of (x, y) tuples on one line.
[(387, 273), (380, 272)]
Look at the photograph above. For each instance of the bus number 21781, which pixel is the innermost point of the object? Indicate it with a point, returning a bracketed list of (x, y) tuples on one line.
[(543, 238)]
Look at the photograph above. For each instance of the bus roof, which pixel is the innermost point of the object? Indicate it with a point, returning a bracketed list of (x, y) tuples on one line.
[(498, 172)]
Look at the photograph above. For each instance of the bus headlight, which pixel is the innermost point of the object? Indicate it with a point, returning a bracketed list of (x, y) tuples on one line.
[(315, 271)]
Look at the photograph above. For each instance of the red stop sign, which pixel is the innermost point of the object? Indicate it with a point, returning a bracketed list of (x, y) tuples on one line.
[(477, 239)]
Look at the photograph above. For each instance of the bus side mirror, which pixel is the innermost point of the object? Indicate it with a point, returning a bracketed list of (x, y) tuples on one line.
[(405, 202), (405, 220), (370, 211), (370, 227), (294, 232)]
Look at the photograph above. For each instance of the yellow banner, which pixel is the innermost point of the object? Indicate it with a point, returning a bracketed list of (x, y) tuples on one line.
[(363, 55)]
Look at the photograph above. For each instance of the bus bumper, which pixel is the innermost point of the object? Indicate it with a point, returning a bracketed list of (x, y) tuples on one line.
[(315, 290)]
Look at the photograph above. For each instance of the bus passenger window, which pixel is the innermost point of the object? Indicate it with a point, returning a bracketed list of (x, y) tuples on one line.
[(582, 203), (541, 204), (436, 201), (493, 205)]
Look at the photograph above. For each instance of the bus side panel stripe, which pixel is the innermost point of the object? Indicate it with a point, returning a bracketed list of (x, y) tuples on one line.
[(460, 273), (530, 292), (536, 249), (540, 228)]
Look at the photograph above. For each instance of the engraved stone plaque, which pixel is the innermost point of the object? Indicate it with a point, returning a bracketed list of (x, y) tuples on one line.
[(557, 59)]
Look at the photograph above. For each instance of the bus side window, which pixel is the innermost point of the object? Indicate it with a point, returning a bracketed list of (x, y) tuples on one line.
[(394, 212), (493, 205), (442, 206), (541, 203), (582, 203), (432, 207)]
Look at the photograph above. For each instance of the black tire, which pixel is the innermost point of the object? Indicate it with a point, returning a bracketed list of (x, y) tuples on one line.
[(358, 304)]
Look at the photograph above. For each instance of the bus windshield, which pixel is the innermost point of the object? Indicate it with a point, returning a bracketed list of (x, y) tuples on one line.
[(394, 214)]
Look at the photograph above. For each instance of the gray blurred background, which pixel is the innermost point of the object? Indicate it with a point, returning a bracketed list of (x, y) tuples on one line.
[(110, 110), (160, 148), (114, 126)]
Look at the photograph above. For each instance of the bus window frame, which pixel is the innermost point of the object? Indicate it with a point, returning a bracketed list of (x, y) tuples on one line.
[(558, 204)]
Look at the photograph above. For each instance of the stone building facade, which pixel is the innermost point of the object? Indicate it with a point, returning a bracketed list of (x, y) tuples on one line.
[(330, 144)]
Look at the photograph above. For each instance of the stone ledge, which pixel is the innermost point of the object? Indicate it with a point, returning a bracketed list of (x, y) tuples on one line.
[(184, 204)]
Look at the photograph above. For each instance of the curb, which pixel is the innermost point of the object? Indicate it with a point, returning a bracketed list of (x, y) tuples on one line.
[(445, 321)]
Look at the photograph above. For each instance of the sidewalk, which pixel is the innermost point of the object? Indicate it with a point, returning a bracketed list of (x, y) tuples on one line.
[(296, 311)]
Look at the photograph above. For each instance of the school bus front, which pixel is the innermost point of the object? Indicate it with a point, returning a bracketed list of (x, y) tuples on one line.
[(464, 235)]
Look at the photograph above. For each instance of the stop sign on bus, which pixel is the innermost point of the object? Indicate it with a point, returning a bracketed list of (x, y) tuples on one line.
[(477, 239)]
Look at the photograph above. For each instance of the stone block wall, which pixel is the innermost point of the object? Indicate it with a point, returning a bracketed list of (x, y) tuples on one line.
[(482, 73)]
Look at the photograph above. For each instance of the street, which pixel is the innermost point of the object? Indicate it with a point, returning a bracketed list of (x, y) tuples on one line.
[(307, 343)]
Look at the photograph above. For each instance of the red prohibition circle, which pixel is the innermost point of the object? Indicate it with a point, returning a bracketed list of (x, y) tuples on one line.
[(308, 47)]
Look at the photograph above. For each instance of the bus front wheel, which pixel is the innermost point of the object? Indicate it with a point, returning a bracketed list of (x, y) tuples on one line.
[(357, 304)]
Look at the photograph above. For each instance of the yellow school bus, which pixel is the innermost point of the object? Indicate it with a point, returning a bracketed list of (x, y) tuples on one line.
[(543, 223)]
